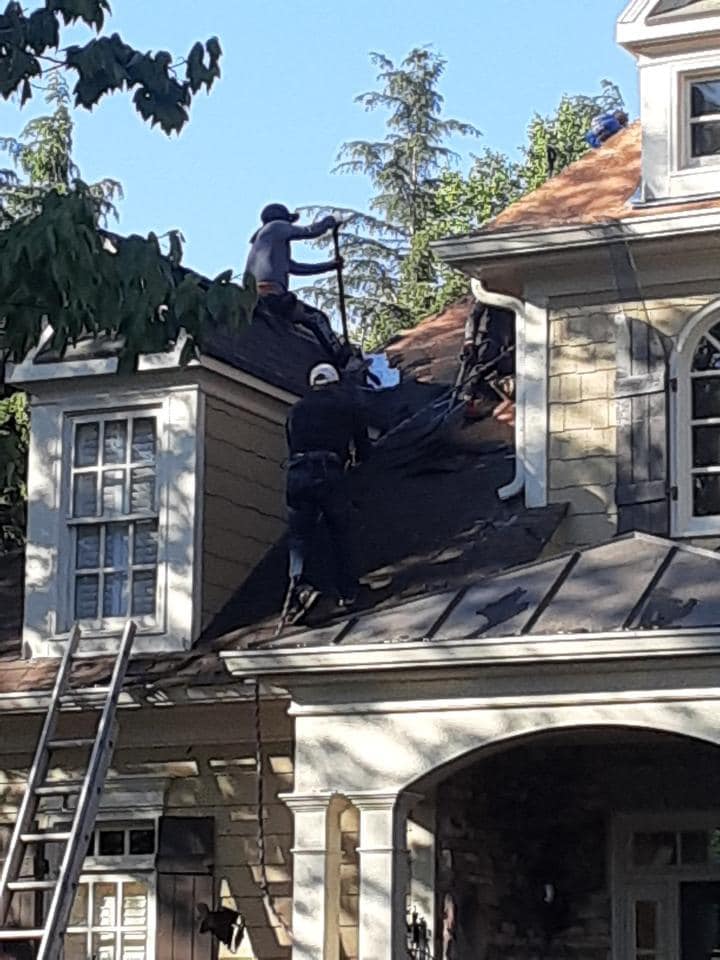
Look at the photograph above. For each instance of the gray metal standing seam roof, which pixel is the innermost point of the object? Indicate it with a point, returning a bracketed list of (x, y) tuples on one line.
[(635, 582)]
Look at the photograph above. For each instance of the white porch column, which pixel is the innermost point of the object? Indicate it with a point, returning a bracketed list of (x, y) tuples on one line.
[(383, 874), (309, 851)]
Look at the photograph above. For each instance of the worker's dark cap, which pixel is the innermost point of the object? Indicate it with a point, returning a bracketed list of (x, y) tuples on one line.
[(278, 211)]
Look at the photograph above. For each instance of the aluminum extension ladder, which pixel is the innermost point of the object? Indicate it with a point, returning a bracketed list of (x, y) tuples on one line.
[(73, 842)]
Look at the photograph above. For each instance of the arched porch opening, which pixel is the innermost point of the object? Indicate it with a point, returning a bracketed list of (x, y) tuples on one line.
[(594, 842)]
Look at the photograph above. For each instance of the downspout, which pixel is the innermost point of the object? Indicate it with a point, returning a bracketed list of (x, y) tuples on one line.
[(506, 302)]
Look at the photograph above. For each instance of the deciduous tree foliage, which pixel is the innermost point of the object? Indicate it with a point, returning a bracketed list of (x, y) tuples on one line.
[(57, 265)]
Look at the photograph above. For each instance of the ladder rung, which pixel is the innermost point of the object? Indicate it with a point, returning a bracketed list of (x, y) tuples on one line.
[(58, 789), (70, 742), (51, 836), (32, 885), (21, 934)]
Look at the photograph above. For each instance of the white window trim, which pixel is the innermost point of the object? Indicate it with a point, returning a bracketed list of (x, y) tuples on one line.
[(659, 883), (683, 523), (49, 560), (684, 158), (114, 625), (148, 877)]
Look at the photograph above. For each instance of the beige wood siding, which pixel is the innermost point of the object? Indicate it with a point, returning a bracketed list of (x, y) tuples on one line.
[(582, 418), (204, 757), (244, 509)]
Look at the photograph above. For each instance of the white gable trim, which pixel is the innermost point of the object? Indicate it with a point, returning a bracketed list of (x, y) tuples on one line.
[(635, 33)]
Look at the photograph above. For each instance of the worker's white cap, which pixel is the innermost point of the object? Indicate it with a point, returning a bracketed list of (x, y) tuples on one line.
[(323, 373)]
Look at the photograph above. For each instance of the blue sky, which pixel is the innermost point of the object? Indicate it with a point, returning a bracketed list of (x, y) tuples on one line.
[(270, 129)]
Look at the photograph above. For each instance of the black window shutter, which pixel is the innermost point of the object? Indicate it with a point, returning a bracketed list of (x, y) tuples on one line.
[(642, 490), (186, 851)]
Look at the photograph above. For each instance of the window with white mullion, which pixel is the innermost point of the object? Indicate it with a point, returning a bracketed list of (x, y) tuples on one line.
[(704, 117), (114, 517)]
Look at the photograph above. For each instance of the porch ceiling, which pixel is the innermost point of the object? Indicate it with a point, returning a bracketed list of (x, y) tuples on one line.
[(633, 583)]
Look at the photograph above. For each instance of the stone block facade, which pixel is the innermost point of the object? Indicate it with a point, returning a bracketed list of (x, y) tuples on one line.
[(582, 410), (524, 841)]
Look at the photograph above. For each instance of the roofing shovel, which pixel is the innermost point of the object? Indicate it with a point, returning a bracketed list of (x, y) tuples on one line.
[(340, 282)]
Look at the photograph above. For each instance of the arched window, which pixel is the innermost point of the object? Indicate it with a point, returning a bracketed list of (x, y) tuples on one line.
[(698, 430)]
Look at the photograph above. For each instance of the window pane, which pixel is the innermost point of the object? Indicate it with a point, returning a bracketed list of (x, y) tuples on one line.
[(115, 441), (706, 446), (113, 492), (142, 490), (111, 843), (646, 925), (705, 139), (134, 946), (85, 495), (79, 913), (115, 595), (87, 551), (700, 920), (105, 897), (76, 946), (86, 597), (142, 842), (654, 849), (87, 438), (705, 97), (705, 397), (146, 541), (694, 846), (103, 946), (134, 905), (116, 545), (701, 846), (706, 495), (706, 356), (143, 440), (143, 593)]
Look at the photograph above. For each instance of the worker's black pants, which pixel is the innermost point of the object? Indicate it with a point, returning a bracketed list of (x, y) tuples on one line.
[(288, 306), (317, 490)]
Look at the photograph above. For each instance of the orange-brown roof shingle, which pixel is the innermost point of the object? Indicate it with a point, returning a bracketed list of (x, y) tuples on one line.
[(595, 189)]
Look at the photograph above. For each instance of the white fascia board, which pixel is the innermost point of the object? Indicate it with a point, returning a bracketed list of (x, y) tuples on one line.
[(449, 654), (503, 244), (247, 380), (636, 34), (174, 695)]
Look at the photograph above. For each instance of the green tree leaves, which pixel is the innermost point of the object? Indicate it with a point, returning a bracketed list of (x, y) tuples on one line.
[(103, 65), (392, 277)]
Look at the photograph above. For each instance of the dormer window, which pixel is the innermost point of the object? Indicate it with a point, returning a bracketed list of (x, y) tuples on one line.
[(114, 518), (704, 119)]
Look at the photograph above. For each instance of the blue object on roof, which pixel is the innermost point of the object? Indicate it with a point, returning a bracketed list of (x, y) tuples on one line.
[(605, 126)]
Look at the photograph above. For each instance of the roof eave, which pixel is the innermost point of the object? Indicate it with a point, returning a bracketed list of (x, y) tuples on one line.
[(520, 242), (449, 654)]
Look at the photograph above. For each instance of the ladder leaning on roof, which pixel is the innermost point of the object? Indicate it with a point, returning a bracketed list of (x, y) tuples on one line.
[(74, 841)]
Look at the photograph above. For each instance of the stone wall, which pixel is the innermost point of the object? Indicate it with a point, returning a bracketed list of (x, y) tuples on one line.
[(534, 816), (582, 418)]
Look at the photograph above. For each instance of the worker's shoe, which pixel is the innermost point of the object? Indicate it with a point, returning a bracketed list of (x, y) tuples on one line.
[(303, 597)]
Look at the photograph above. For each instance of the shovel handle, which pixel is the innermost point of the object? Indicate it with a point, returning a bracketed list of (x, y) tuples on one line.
[(341, 284)]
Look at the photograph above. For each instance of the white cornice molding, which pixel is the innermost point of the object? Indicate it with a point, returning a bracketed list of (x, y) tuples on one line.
[(451, 654), (531, 241)]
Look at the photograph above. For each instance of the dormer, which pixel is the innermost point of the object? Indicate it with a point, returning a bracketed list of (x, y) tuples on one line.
[(152, 495), (677, 47)]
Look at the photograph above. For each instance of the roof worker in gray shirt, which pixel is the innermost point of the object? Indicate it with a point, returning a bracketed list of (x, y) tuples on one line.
[(271, 263)]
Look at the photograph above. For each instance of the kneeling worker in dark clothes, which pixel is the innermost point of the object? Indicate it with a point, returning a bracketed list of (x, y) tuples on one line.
[(320, 430)]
